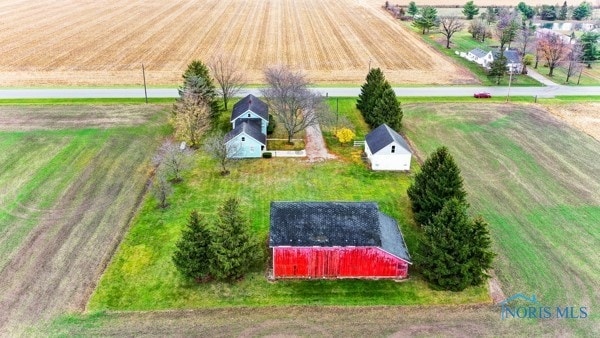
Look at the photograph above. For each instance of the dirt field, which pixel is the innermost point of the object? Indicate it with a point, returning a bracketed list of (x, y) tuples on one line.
[(105, 42), (481, 2), (66, 197), (583, 116)]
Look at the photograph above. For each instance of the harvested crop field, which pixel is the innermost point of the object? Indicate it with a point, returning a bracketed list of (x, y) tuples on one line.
[(105, 42), (481, 2), (66, 198), (583, 116)]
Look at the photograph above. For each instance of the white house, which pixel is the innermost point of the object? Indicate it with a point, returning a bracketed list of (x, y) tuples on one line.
[(481, 57), (249, 119), (387, 150)]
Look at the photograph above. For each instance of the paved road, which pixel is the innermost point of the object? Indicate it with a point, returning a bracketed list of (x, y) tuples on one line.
[(548, 91)]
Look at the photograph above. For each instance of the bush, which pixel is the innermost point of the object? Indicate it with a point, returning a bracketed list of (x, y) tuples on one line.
[(271, 125), (267, 154)]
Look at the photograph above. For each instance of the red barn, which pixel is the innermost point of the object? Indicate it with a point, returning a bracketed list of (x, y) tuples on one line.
[(336, 240)]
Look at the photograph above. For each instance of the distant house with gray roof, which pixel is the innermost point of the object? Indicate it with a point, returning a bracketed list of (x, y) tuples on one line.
[(387, 150), (485, 58), (482, 57), (336, 240), (249, 119)]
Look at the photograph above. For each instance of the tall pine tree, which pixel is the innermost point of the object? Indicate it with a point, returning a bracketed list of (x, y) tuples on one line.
[(369, 92), (455, 252), (438, 181), (198, 83), (377, 102), (192, 256), (235, 249)]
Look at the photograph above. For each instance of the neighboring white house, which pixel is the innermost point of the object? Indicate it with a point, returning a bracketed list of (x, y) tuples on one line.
[(387, 150), (485, 59), (481, 57), (513, 61), (249, 119)]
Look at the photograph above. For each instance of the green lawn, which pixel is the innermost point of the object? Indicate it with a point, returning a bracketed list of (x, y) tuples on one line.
[(589, 76), (142, 276), (535, 180)]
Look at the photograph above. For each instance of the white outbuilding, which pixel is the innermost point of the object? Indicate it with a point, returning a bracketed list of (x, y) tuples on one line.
[(387, 150)]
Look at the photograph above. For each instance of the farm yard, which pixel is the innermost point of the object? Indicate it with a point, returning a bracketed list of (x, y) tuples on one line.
[(70, 179), (62, 43)]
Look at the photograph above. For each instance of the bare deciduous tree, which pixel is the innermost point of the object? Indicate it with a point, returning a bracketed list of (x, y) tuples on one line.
[(574, 62), (553, 49), (506, 29), (526, 36), (161, 188), (191, 119), (228, 75), (479, 29), (172, 159), (223, 152), (450, 25), (292, 103)]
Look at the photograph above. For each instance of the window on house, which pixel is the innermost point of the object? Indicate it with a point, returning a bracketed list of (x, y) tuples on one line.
[(243, 139), (393, 149), (249, 115), (262, 148)]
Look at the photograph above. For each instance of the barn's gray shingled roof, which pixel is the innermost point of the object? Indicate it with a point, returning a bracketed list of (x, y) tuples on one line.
[(251, 127), (383, 135), (335, 224), (253, 103)]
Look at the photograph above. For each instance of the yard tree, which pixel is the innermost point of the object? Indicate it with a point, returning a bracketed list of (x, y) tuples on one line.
[(478, 29), (294, 105), (498, 68), (412, 9), (193, 253), (438, 181), (527, 11), (574, 65), (191, 119), (198, 85), (450, 25), (173, 160), (427, 20), (525, 37), (235, 250), (590, 51), (548, 12), (377, 101), (215, 146), (583, 11), (491, 15), (507, 27), (470, 10), (228, 75), (553, 49), (455, 252), (564, 12), (161, 187), (345, 135)]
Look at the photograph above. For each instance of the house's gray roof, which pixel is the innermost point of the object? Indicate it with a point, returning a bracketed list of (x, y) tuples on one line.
[(253, 103), (249, 126), (383, 135), (335, 224), (511, 55), (479, 52)]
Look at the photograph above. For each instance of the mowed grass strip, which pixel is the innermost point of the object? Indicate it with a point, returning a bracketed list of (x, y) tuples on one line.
[(535, 179), (143, 277)]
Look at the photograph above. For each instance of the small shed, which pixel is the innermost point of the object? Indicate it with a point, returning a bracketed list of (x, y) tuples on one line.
[(387, 150), (336, 240)]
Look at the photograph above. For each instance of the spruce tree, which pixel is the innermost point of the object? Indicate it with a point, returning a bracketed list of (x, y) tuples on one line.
[(470, 10), (438, 181), (412, 9), (192, 255), (235, 250), (564, 11), (369, 92), (198, 83), (387, 109), (450, 257)]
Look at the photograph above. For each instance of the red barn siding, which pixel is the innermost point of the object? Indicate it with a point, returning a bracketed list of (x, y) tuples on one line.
[(336, 262)]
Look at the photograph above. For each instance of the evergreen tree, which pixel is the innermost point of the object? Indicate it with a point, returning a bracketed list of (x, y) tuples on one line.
[(582, 11), (470, 10), (427, 20), (369, 92), (527, 11), (198, 84), (564, 10), (235, 250), (498, 68), (456, 250), (387, 109), (192, 255), (412, 9), (438, 181), (589, 47)]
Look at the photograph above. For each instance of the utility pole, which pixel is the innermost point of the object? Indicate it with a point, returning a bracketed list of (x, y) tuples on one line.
[(509, 82), (145, 90)]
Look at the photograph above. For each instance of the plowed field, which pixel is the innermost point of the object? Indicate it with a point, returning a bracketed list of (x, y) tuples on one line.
[(61, 42)]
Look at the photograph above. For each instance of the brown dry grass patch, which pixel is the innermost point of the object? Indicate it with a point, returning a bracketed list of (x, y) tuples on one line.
[(583, 116), (105, 42)]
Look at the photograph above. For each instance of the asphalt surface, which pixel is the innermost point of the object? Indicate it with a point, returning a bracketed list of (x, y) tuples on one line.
[(69, 93)]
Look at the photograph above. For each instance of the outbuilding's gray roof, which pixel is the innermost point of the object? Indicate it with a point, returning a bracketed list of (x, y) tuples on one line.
[(382, 136), (251, 127), (330, 224), (479, 52), (252, 103)]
